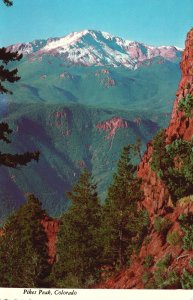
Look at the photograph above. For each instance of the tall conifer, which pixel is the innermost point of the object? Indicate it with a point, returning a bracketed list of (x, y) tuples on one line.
[(78, 246), (6, 75), (120, 215), (23, 248)]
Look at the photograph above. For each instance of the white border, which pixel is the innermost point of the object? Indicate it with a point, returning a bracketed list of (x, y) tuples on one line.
[(94, 294)]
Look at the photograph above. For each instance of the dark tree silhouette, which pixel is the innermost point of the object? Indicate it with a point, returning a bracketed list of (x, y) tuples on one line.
[(5, 74), (23, 248), (7, 159), (8, 2)]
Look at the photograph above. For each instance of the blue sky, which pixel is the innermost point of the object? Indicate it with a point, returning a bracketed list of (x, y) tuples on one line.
[(154, 22)]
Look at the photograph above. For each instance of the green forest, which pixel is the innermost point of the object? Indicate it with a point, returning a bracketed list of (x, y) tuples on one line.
[(98, 238)]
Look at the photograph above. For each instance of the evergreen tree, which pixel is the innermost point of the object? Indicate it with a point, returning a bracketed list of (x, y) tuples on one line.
[(6, 75), (8, 2), (121, 219), (14, 160), (78, 245), (23, 248)]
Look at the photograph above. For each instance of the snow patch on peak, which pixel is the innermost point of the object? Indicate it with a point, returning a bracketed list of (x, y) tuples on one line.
[(65, 41), (106, 35), (178, 48), (97, 48)]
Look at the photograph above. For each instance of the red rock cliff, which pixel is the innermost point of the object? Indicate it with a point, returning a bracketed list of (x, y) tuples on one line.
[(111, 126), (156, 195), (51, 227), (155, 192)]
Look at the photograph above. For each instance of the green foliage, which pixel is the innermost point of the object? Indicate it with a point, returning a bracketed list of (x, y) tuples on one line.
[(163, 263), (59, 167), (162, 225), (162, 277), (173, 238), (148, 261), (173, 163), (140, 229), (166, 279), (160, 159), (180, 175), (186, 201), (186, 104), (146, 277), (6, 75), (82, 86), (191, 263), (123, 226), (186, 280), (186, 223), (78, 245), (23, 248)]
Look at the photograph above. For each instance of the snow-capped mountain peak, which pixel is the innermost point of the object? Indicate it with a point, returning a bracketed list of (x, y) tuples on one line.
[(97, 48)]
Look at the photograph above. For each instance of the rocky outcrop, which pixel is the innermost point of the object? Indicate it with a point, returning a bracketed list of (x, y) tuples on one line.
[(51, 227), (112, 125), (156, 196)]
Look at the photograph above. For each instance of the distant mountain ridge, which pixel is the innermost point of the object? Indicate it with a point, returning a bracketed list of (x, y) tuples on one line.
[(79, 111), (70, 138), (96, 48)]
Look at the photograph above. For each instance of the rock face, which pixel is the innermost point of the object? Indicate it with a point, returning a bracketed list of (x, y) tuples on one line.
[(156, 196), (51, 227), (112, 125)]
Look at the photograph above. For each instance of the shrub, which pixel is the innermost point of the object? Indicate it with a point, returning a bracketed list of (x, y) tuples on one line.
[(173, 163), (146, 277), (163, 263), (186, 280), (191, 263), (172, 280), (173, 238), (186, 201), (186, 104), (162, 225), (148, 261), (180, 171), (186, 224), (166, 279)]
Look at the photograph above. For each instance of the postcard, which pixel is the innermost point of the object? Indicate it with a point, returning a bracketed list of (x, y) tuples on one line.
[(96, 161)]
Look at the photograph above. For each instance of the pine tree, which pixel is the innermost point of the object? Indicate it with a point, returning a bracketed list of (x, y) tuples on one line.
[(23, 248), (14, 160), (8, 2), (78, 245), (120, 225), (6, 75)]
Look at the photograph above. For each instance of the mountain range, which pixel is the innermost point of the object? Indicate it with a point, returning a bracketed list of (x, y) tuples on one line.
[(80, 99), (96, 48)]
